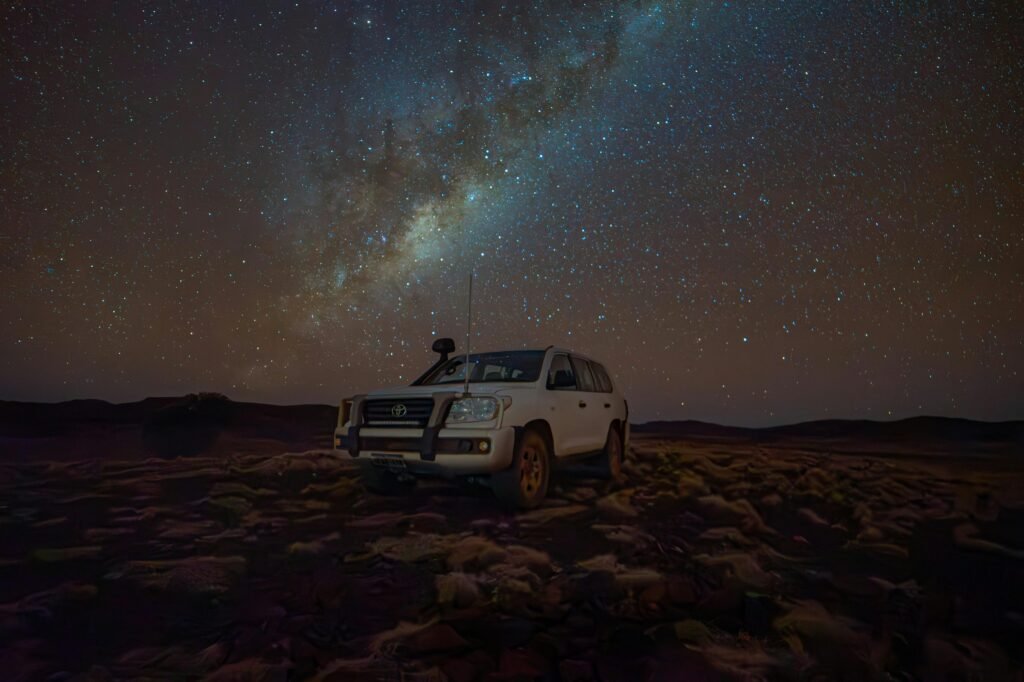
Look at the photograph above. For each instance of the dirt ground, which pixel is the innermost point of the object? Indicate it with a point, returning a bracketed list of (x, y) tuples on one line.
[(708, 562)]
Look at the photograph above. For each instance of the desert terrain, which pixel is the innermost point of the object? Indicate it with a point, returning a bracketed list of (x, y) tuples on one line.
[(241, 549)]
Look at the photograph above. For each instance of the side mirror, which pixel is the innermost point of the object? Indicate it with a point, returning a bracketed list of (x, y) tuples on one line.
[(444, 347)]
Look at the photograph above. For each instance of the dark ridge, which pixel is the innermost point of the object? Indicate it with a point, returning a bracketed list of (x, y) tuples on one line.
[(160, 426), (929, 433)]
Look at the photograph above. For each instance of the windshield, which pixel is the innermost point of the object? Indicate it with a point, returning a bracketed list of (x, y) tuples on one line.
[(522, 365)]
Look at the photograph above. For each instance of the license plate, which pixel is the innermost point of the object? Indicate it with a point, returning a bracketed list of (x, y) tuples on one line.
[(392, 462)]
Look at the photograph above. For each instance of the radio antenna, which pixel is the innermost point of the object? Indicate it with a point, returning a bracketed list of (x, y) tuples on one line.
[(469, 329)]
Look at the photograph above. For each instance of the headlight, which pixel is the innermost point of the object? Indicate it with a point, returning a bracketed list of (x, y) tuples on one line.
[(466, 410)]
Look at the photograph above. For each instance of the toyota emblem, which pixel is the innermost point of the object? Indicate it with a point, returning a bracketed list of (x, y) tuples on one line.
[(398, 410)]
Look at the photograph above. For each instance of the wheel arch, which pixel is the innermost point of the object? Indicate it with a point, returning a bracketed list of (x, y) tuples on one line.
[(620, 427), (542, 426)]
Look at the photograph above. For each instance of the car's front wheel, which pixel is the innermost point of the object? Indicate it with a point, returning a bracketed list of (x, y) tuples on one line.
[(524, 484)]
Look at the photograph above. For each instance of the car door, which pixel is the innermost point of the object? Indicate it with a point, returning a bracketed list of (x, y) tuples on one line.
[(568, 426), (592, 415)]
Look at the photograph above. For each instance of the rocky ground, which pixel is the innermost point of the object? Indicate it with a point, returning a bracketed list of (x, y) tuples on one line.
[(707, 562)]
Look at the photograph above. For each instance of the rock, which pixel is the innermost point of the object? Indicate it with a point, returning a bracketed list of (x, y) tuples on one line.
[(883, 549), (632, 578), (475, 552), (535, 560), (965, 537), (692, 631), (231, 507), (812, 517), (581, 494), (435, 638), (811, 621), (727, 533), (871, 534), (627, 535), (416, 639), (743, 568), (457, 589), (739, 512), (238, 489), (49, 556), (748, 661), (541, 516), (691, 484), (425, 519), (382, 520), (104, 533), (576, 671), (342, 488), (313, 547), (617, 504), (250, 670)]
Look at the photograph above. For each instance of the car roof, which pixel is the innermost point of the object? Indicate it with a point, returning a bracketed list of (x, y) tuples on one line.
[(578, 354), (554, 349)]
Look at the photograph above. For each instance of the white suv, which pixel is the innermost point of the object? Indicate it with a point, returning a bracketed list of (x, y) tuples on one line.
[(525, 411)]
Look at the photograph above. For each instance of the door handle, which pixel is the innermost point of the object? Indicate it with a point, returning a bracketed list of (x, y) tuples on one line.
[(582, 404)]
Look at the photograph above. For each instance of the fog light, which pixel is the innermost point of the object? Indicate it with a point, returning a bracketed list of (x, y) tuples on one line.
[(484, 446)]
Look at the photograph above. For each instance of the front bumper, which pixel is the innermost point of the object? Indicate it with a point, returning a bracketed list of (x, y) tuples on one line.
[(456, 451)]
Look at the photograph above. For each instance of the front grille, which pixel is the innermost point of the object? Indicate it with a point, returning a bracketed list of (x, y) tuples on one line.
[(385, 411)]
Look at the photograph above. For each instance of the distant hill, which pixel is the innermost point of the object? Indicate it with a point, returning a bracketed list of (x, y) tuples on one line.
[(916, 433), (88, 429)]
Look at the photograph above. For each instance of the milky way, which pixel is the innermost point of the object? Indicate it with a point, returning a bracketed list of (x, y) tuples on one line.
[(751, 214)]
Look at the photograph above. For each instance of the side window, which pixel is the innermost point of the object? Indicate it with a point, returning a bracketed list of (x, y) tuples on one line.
[(604, 382), (584, 377), (560, 376)]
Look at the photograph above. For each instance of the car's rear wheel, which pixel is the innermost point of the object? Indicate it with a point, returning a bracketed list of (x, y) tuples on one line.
[(525, 484), (383, 482), (610, 464)]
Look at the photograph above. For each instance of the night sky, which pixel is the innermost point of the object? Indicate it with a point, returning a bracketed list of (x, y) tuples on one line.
[(752, 213)]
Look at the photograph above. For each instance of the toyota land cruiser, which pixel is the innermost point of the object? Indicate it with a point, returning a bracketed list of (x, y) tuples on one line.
[(524, 412)]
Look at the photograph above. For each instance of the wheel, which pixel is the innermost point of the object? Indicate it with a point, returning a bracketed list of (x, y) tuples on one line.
[(383, 482), (524, 484), (610, 463)]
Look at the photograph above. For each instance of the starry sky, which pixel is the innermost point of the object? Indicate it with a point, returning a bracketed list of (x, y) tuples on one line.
[(752, 213)]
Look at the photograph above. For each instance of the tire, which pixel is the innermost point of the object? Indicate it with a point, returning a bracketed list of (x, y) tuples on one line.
[(610, 463), (525, 483), (383, 482)]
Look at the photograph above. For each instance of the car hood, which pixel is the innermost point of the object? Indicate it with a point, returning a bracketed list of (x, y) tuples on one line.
[(490, 388)]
